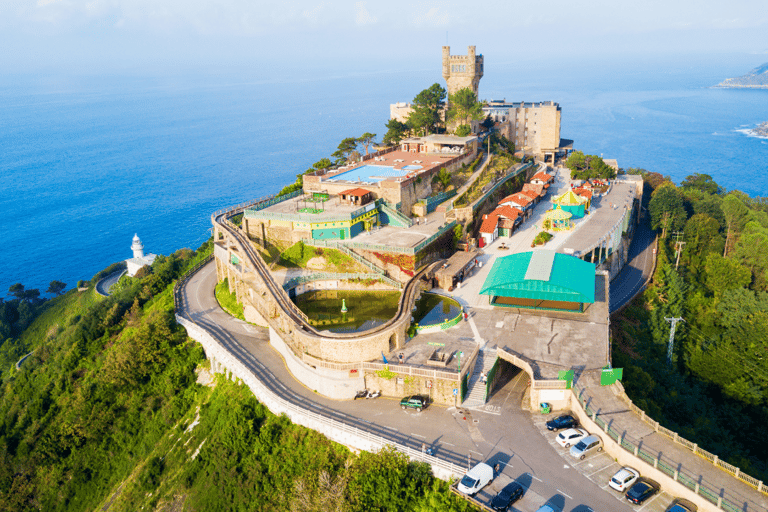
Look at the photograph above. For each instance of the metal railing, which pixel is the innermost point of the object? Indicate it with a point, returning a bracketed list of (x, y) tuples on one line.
[(673, 469), (399, 217), (339, 276), (279, 405)]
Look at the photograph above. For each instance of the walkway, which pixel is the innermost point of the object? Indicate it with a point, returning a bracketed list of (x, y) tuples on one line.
[(105, 284), (501, 432)]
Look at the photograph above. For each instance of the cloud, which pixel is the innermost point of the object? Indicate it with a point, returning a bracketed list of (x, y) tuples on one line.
[(434, 17), (362, 16)]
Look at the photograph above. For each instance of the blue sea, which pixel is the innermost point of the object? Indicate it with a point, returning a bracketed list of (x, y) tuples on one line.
[(87, 161)]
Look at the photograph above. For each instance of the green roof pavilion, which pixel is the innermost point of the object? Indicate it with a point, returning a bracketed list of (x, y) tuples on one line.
[(541, 280)]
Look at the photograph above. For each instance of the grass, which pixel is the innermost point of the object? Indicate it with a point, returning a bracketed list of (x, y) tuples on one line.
[(297, 256), (228, 301), (60, 313)]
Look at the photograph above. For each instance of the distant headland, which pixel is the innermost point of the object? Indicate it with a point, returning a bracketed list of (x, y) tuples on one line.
[(755, 79)]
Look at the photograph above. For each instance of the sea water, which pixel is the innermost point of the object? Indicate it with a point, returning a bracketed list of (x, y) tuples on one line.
[(87, 162)]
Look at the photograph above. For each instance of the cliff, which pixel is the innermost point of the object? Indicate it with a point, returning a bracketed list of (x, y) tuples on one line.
[(755, 79)]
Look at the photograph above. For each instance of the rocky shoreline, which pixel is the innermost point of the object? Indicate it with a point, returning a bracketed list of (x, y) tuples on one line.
[(761, 130)]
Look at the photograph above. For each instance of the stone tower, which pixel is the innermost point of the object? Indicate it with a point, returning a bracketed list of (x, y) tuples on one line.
[(137, 247), (462, 71)]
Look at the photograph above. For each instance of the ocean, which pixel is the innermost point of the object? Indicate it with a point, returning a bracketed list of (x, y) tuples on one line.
[(86, 162)]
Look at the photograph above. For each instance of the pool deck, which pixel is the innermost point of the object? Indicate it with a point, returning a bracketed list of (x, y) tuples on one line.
[(393, 167)]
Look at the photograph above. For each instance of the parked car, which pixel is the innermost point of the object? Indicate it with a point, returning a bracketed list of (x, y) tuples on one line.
[(586, 446), (475, 479), (643, 489), (623, 479), (564, 421), (507, 496), (681, 505), (566, 438), (417, 402)]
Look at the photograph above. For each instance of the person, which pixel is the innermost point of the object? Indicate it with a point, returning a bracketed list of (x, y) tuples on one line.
[(402, 358), (483, 377)]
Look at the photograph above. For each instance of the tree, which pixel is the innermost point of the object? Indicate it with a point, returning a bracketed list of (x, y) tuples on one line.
[(487, 122), (735, 212), (703, 182), (56, 288), (723, 274), (396, 131), (443, 178), (463, 130), (322, 164), (346, 147), (366, 140), (752, 251), (702, 235), (427, 106), (667, 209), (463, 107), (17, 290)]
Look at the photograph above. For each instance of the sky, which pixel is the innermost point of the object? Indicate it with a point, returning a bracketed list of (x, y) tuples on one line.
[(96, 36)]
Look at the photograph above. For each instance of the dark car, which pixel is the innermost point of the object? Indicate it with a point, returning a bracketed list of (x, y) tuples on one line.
[(507, 496), (642, 490), (565, 421), (681, 505), (417, 402)]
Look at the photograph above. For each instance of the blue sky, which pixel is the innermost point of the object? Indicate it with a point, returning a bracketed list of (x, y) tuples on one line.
[(97, 35)]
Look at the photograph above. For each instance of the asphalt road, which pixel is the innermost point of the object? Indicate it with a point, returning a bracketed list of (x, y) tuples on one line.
[(501, 431), (632, 278)]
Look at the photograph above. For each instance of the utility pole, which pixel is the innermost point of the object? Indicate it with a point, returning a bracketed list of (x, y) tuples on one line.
[(678, 247), (671, 345)]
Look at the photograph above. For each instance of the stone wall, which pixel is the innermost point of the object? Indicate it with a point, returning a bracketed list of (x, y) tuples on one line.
[(225, 363), (441, 391)]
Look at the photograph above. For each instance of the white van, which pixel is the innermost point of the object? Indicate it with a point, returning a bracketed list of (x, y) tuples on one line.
[(475, 479), (586, 446)]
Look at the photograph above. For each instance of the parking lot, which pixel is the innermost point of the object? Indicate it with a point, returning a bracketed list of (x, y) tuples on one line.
[(600, 467)]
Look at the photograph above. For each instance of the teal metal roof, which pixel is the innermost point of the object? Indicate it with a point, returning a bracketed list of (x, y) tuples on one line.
[(570, 279)]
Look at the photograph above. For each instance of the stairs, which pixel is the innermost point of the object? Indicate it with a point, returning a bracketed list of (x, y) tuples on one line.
[(476, 387), (394, 218)]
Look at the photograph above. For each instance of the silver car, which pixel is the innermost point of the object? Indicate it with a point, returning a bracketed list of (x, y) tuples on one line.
[(586, 446)]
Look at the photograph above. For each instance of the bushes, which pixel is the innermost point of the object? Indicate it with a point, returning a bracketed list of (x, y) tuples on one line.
[(541, 239)]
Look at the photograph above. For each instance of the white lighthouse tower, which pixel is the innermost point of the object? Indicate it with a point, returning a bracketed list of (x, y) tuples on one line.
[(139, 259), (137, 247)]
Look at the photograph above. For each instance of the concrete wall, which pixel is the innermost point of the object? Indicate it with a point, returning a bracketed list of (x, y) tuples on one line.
[(223, 362), (626, 458)]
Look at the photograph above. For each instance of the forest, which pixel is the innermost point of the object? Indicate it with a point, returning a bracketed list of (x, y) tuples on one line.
[(115, 410), (711, 384)]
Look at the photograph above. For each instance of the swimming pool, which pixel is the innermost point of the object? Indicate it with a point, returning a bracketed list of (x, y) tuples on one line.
[(370, 173), (411, 167)]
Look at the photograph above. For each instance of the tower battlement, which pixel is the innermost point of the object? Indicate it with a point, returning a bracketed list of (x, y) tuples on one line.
[(460, 71)]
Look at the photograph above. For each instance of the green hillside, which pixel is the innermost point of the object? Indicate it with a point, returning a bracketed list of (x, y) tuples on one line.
[(107, 414)]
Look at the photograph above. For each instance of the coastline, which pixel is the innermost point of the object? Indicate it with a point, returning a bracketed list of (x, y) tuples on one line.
[(758, 132)]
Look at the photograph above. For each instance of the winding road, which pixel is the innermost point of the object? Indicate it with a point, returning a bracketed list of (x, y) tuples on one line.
[(501, 432)]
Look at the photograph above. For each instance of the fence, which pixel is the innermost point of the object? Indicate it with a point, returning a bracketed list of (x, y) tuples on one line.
[(694, 447), (670, 468), (339, 276), (383, 247)]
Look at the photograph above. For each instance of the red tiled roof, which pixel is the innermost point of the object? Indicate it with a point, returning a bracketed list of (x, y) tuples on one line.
[(507, 211), (533, 187), (358, 192), (489, 223), (519, 198), (583, 192), (530, 193), (542, 176)]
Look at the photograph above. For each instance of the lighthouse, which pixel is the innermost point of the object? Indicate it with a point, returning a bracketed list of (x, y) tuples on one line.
[(139, 259)]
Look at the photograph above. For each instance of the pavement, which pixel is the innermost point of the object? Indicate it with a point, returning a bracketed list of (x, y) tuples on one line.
[(501, 431), (105, 284)]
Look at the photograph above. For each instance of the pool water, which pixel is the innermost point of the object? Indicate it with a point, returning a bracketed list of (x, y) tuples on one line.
[(433, 309), (411, 167), (370, 173), (365, 310)]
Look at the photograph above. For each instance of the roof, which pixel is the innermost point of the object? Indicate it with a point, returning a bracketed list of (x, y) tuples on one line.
[(507, 211), (530, 193), (519, 198), (541, 176), (554, 276), (583, 192), (489, 223), (441, 139), (569, 199), (536, 188), (456, 263), (558, 214), (358, 192)]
